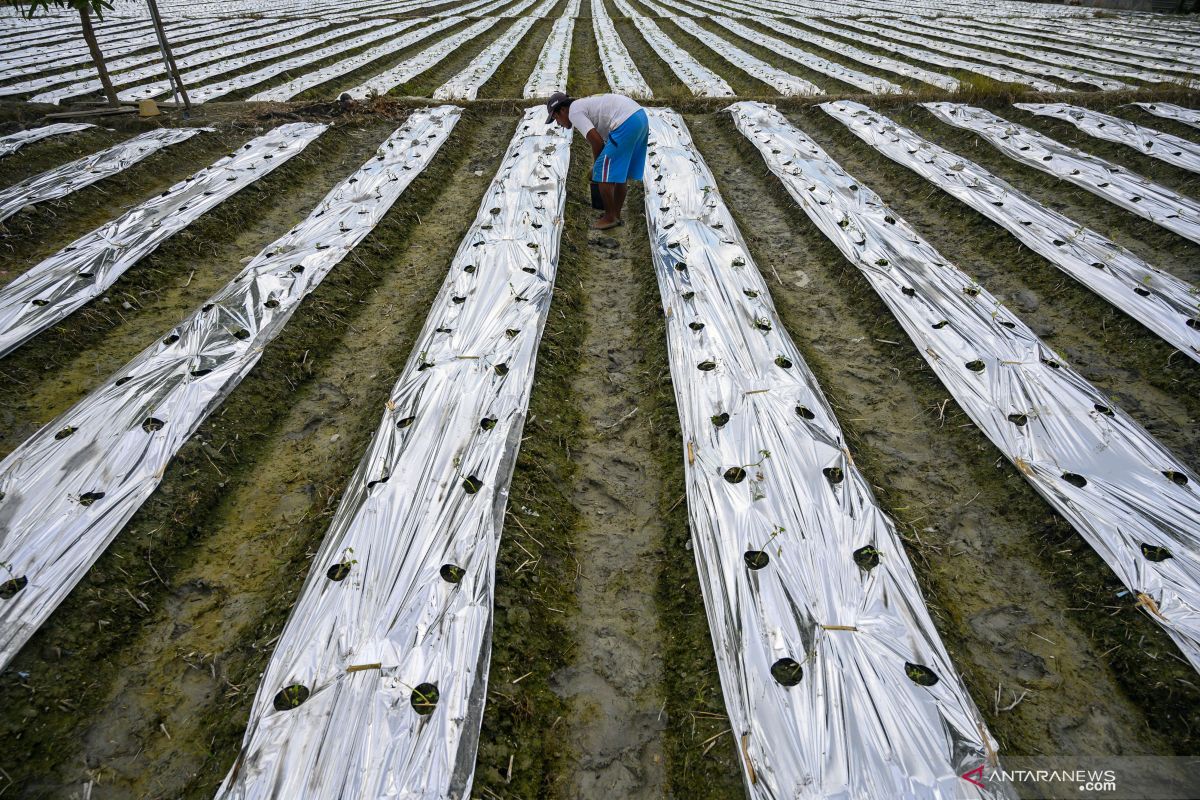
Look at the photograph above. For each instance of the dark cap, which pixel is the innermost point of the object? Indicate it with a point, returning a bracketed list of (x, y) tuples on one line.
[(556, 101)]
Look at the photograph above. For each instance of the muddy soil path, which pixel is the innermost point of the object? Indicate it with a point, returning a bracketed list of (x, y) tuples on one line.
[(614, 685), (1018, 621), (173, 626)]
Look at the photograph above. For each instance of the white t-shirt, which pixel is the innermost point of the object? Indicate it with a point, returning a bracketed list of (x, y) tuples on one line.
[(604, 112)]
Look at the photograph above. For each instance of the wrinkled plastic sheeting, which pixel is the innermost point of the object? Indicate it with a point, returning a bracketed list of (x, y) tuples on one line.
[(308, 80), (1156, 144), (214, 59), (825, 648), (1113, 50), (550, 72), (133, 68), (1163, 303), (1172, 112), (202, 94), (785, 83), (930, 56), (862, 56), (68, 491), (701, 80), (114, 60), (410, 68), (224, 66), (465, 85), (1117, 185), (378, 683), (75, 175), (15, 141), (620, 71), (84, 269), (817, 64), (1061, 68), (1081, 57), (1127, 495)]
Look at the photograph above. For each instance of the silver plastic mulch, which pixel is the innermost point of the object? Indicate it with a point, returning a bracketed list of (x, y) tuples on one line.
[(377, 686), (1125, 493), (1173, 150), (84, 269), (15, 141), (834, 677), (1132, 192), (75, 175), (1163, 303), (66, 493)]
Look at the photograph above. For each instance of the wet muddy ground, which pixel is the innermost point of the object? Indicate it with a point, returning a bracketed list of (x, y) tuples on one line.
[(602, 681)]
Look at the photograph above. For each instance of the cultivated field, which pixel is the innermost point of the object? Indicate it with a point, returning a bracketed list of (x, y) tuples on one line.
[(340, 457)]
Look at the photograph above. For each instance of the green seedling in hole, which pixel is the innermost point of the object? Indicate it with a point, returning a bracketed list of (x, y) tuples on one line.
[(867, 558), (1155, 553), (14, 583), (425, 698), (738, 474), (290, 697), (762, 323), (920, 674), (340, 570), (775, 531)]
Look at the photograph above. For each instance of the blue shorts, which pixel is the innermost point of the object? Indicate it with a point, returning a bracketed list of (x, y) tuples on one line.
[(624, 155)]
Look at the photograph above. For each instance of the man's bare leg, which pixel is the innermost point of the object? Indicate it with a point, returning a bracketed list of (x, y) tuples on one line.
[(612, 210), (619, 192)]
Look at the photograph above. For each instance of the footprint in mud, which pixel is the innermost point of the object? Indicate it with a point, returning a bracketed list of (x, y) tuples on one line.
[(1001, 626)]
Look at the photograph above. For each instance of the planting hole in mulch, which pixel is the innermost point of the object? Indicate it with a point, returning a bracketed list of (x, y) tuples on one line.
[(1155, 553), (735, 474), (487, 423), (696, 326), (706, 366), (10, 587), (425, 698), (87, 498), (1075, 480), (976, 365), (472, 484), (1018, 419), (783, 362), (866, 557), (1105, 410), (787, 672), (338, 572), (452, 573), (65, 432), (1177, 478), (719, 420), (920, 674), (404, 423), (756, 559), (152, 424), (804, 413), (833, 474), (291, 697)]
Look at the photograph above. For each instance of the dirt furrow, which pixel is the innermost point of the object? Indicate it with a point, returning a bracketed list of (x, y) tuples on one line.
[(614, 683), (1020, 620)]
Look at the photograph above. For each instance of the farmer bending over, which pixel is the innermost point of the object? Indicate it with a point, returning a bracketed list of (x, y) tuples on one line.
[(616, 128)]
